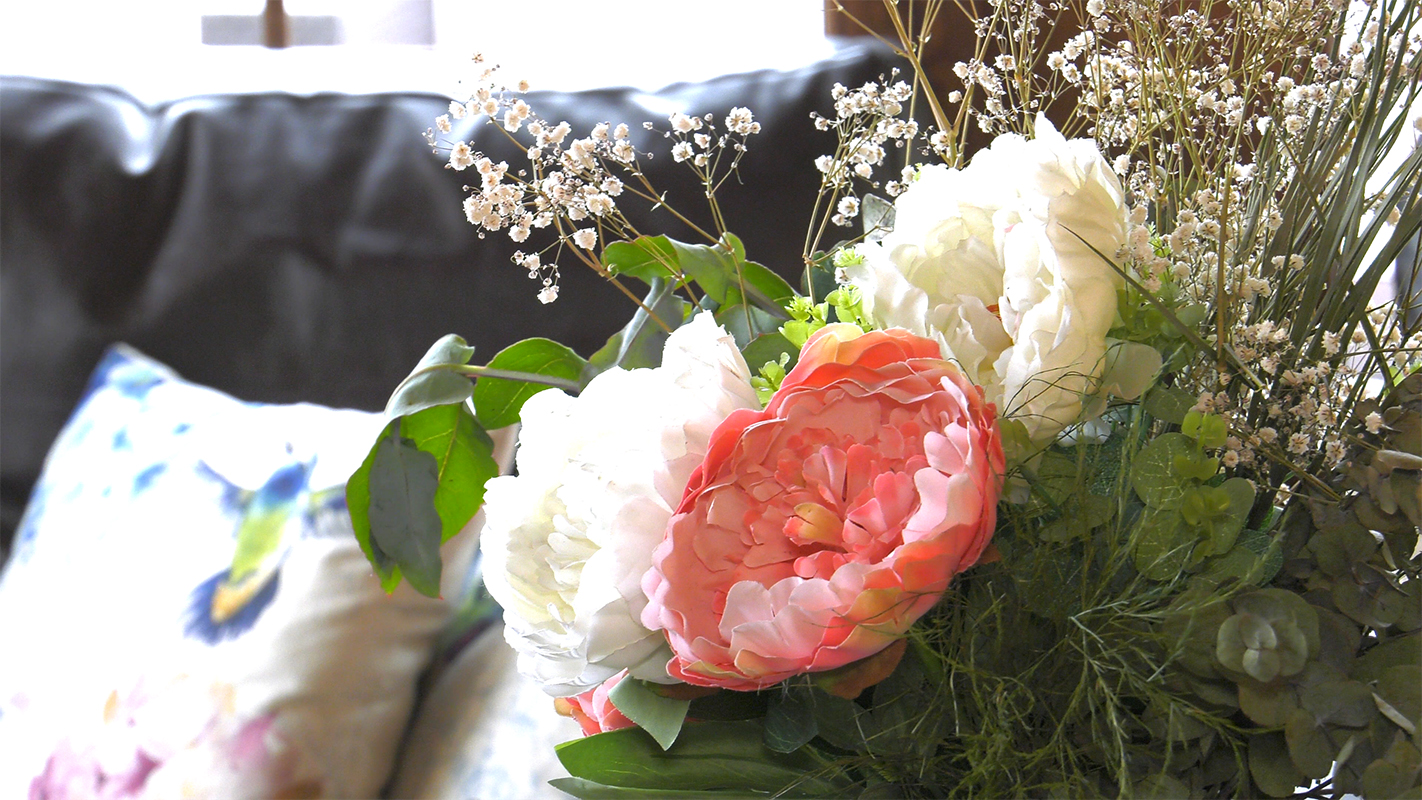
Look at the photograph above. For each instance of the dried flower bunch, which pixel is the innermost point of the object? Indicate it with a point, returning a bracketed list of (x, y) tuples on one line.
[(1086, 463)]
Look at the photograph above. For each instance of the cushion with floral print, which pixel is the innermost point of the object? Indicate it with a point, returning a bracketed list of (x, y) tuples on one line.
[(186, 611)]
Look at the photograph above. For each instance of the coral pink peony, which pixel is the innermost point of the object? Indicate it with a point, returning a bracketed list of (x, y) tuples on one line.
[(593, 710), (818, 530)]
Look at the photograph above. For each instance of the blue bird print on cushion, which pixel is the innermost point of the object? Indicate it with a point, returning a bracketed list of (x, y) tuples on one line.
[(271, 519)]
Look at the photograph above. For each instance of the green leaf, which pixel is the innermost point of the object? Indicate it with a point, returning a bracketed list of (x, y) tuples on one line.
[(1153, 471), (1270, 766), (746, 323), (465, 455), (432, 382), (646, 258), (789, 722), (713, 268), (838, 721), (420, 485), (358, 502), (1225, 526), (724, 274), (725, 756), (660, 716), (1169, 404), (640, 342), (768, 348), (588, 790), (763, 286), (403, 522), (1163, 544), (1255, 559), (497, 401), (818, 281), (1309, 747)]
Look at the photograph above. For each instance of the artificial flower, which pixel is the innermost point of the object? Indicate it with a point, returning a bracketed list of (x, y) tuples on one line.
[(566, 542), (593, 711), (820, 528), (1006, 264)]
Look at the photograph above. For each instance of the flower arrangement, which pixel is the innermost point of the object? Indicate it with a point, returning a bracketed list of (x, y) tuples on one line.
[(1083, 464)]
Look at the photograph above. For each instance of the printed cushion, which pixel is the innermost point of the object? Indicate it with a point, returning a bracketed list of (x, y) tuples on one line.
[(482, 729), (186, 612)]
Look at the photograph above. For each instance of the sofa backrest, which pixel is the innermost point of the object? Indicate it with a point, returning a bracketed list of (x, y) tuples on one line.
[(310, 248)]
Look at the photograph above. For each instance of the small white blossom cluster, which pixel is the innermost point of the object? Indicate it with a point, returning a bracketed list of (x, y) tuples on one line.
[(868, 121), (570, 185), (1001, 91), (1303, 392), (698, 144)]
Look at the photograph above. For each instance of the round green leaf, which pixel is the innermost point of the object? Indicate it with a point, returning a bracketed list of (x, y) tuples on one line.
[(1270, 766), (1163, 544), (1309, 747), (1154, 476)]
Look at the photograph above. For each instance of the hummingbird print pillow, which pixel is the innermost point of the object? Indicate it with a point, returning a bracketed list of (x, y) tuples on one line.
[(186, 605)]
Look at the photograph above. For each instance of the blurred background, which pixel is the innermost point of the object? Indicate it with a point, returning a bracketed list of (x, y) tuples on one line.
[(160, 49)]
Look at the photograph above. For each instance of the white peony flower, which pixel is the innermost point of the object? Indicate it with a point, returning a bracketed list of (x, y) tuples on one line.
[(1004, 263), (566, 542)]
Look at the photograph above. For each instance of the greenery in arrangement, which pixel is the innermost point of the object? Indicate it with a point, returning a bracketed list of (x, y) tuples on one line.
[(1085, 464)]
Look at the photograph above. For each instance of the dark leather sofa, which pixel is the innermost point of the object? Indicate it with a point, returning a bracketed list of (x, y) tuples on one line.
[(310, 248)]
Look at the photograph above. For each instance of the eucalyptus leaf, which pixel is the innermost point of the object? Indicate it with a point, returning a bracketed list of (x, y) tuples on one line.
[(1153, 474), (878, 215), (497, 401), (1309, 747), (403, 522), (1270, 766), (1162, 544), (432, 382), (660, 716), (789, 721)]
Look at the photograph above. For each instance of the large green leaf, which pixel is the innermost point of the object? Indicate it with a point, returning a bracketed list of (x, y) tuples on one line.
[(745, 323), (418, 487), (588, 790), (465, 455), (646, 258), (432, 382), (759, 278), (717, 756), (659, 716), (640, 342), (497, 401), (358, 502), (403, 522)]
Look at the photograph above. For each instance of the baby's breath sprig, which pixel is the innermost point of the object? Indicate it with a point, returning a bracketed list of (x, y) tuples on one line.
[(571, 186), (867, 122)]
